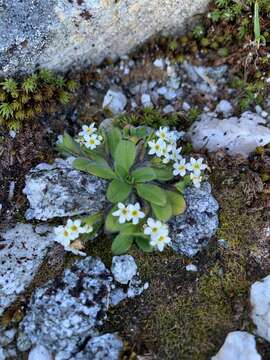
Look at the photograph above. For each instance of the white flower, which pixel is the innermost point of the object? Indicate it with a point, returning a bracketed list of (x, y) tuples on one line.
[(176, 153), (163, 133), (153, 227), (62, 235), (122, 213), (88, 130), (157, 147), (134, 213), (180, 168), (196, 179), (92, 141), (66, 234), (166, 154), (160, 241), (87, 229), (196, 166), (74, 228)]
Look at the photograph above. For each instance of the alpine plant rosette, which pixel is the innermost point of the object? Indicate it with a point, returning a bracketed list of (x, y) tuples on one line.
[(140, 167)]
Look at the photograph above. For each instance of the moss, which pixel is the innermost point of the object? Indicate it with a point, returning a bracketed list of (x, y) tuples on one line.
[(185, 315), (27, 98)]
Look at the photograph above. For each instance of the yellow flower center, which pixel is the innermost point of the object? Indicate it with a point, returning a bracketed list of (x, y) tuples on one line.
[(124, 211), (74, 228), (154, 229), (134, 213), (66, 233), (161, 238)]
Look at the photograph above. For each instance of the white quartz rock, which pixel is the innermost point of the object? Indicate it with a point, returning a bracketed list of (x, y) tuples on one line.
[(238, 136), (123, 268), (115, 101), (260, 302), (239, 345)]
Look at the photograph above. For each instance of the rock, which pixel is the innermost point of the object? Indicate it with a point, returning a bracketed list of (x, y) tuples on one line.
[(123, 268), (39, 353), (66, 311), (206, 79), (191, 231), (115, 101), (186, 106), (224, 107), (192, 268), (146, 101), (2, 354), (168, 109), (159, 63), (103, 347), (239, 345), (58, 190), (238, 136), (260, 302), (59, 34), (21, 253)]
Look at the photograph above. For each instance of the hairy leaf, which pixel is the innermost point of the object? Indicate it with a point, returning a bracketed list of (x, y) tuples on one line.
[(118, 191), (143, 174), (177, 202), (163, 213), (113, 139), (122, 243), (152, 193), (125, 154), (163, 174), (95, 168)]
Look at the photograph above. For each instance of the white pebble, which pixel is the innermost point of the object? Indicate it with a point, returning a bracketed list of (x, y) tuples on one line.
[(192, 268)]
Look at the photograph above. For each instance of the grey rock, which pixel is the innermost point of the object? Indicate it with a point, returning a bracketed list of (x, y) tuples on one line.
[(58, 190), (238, 136), (123, 268), (168, 109), (2, 354), (191, 231), (206, 79), (66, 311), (191, 268), (115, 101), (39, 352), (102, 347), (146, 100), (58, 34), (224, 107), (22, 252)]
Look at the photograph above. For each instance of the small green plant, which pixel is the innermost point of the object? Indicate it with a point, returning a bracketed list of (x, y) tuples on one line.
[(148, 117), (259, 38), (27, 98), (141, 190)]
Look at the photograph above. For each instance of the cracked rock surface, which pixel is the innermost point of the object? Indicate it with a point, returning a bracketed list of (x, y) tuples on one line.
[(21, 253), (191, 231), (58, 190)]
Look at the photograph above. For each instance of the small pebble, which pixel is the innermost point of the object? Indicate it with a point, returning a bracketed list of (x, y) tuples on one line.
[(159, 63), (168, 109), (192, 268)]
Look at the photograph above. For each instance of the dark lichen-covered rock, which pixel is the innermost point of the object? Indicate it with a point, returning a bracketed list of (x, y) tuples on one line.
[(22, 251), (192, 231), (58, 190), (65, 312)]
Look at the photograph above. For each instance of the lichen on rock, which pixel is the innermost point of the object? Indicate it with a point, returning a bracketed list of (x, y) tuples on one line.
[(58, 190)]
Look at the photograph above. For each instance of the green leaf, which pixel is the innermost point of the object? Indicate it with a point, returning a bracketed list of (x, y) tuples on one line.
[(112, 224), (177, 202), (181, 185), (102, 170), (164, 174), (118, 191), (113, 139), (125, 154), (143, 174), (143, 243), (152, 193), (121, 244), (69, 146), (163, 213)]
